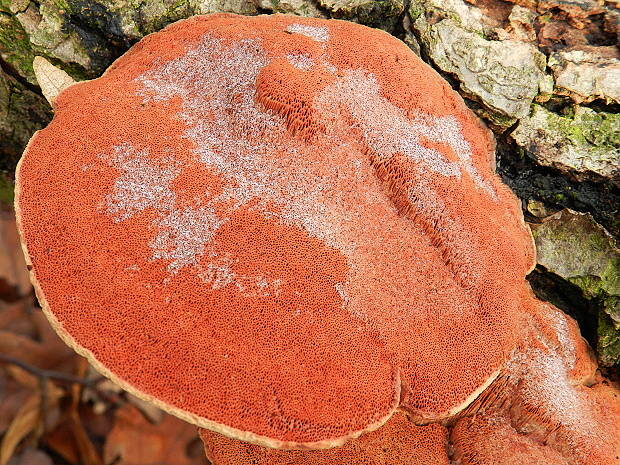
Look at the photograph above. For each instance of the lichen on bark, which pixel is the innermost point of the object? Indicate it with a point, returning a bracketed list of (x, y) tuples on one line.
[(22, 112), (575, 248), (585, 144)]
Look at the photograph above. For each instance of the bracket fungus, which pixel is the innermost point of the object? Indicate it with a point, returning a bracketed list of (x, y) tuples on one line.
[(398, 442), (278, 234)]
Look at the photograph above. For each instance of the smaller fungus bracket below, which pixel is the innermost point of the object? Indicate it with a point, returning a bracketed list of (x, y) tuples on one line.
[(549, 406), (398, 442)]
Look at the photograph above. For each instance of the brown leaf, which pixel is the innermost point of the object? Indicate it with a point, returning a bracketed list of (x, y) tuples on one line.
[(97, 425), (101, 396), (31, 456), (86, 449), (12, 397), (10, 313), (24, 422), (14, 279), (61, 442), (27, 420), (71, 439), (36, 343), (22, 377), (135, 441), (88, 453)]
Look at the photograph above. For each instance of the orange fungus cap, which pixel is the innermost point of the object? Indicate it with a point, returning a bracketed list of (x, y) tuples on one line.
[(277, 228)]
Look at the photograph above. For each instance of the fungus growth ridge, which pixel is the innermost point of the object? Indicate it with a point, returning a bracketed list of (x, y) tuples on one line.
[(553, 408), (301, 235), (398, 442)]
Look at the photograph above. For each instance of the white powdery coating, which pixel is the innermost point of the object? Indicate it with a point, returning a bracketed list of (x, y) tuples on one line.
[(258, 286), (319, 34), (548, 385), (300, 61), (388, 131), (264, 169), (218, 274), (560, 324), (448, 130), (425, 199), (142, 183), (183, 234), (217, 85)]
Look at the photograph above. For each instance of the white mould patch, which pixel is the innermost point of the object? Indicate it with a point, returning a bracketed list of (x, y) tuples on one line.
[(216, 83), (342, 292), (567, 349), (319, 34), (331, 68), (549, 384), (388, 131), (545, 384), (217, 273), (300, 61), (183, 234), (145, 184), (265, 170), (258, 286), (142, 184)]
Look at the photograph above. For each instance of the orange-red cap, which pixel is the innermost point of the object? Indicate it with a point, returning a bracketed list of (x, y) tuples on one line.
[(277, 228)]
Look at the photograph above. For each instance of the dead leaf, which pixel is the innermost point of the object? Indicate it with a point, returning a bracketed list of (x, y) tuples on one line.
[(12, 397), (98, 426), (31, 456), (25, 379), (14, 277), (63, 439), (86, 449), (61, 442), (24, 422), (88, 453), (32, 345), (152, 413), (52, 80), (11, 313), (40, 346), (135, 441), (27, 420), (104, 386)]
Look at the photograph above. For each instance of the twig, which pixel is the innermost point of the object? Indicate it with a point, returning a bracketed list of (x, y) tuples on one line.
[(42, 426), (62, 378), (49, 374)]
